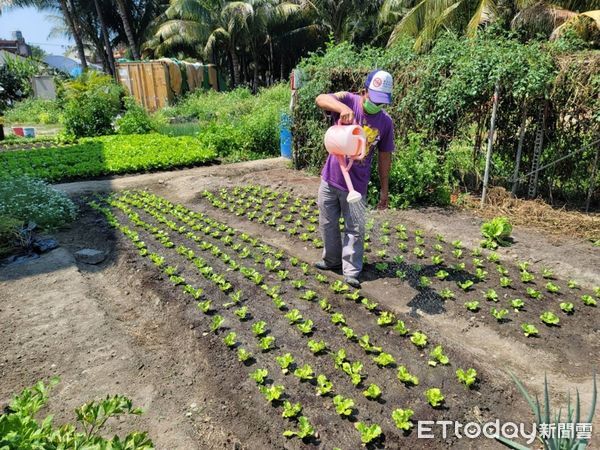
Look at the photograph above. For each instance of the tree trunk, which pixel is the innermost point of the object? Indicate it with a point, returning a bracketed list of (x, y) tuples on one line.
[(106, 38), (255, 72), (281, 68), (271, 62), (235, 66), (75, 31), (128, 30)]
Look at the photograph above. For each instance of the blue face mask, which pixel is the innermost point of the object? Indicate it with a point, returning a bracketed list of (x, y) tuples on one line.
[(370, 107)]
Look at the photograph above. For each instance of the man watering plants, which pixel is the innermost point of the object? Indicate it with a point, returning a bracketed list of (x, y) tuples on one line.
[(366, 109)]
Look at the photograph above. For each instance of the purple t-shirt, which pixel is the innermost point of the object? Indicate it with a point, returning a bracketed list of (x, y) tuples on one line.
[(379, 129)]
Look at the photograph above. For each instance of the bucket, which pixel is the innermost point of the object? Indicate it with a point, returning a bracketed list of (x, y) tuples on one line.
[(18, 131), (29, 132), (285, 136)]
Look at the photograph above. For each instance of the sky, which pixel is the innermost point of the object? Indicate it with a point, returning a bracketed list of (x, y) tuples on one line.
[(35, 27)]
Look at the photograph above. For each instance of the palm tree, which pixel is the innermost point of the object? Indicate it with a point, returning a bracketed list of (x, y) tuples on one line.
[(423, 19), (123, 13)]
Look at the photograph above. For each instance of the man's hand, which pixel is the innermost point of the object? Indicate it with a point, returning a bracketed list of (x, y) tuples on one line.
[(346, 114), (383, 201)]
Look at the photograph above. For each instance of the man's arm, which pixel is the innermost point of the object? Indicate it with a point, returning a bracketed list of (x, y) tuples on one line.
[(330, 103), (384, 164)]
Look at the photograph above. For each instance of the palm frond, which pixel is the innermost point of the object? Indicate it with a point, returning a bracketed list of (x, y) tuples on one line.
[(486, 11)]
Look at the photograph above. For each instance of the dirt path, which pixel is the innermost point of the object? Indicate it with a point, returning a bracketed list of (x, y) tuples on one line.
[(108, 329)]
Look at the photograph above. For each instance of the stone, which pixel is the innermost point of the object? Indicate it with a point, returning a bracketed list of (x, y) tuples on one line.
[(43, 245), (90, 256)]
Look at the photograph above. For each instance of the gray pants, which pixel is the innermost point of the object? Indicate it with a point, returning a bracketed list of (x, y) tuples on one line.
[(332, 204)]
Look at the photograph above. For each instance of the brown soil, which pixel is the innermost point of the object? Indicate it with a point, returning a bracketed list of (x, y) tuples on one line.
[(119, 328)]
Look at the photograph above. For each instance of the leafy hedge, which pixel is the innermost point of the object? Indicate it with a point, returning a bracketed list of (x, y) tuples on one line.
[(34, 111), (236, 122), (107, 155), (445, 95)]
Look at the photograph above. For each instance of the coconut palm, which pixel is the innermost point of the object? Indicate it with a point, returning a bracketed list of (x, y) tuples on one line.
[(423, 19)]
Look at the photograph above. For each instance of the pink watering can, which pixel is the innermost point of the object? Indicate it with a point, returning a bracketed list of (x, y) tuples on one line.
[(347, 141)]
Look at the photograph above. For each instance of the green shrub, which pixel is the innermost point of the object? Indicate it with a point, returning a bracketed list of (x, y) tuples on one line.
[(34, 111), (92, 103), (9, 231), (135, 120), (417, 175), (107, 155), (19, 429), (30, 200)]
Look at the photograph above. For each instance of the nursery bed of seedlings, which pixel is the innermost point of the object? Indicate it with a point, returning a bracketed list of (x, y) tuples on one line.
[(337, 368), (519, 301)]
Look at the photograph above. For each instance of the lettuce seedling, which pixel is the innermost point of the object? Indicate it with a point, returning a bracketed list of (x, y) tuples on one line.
[(259, 328), (278, 302), (401, 418), (339, 287), (533, 293), (176, 280), (434, 396), (480, 274), (305, 429), (527, 277), (457, 253), (529, 329), (384, 360), (385, 318), (338, 318), (491, 294), (400, 274), (405, 377), (437, 355), (305, 372), (419, 252), (402, 246), (355, 296), (306, 327), (349, 333), (597, 291), (472, 305), (572, 284), (309, 295), (230, 339), (266, 343), (243, 355), (365, 344), (324, 386), (291, 410), (368, 433), (457, 244), (493, 257), (588, 300), (325, 305), (517, 303), (321, 278), (552, 288), (272, 393), (236, 297), (353, 370), (465, 285), (424, 282), (372, 392), (467, 378), (499, 314), (446, 294), (339, 357), (437, 260), (381, 254), (549, 318), (259, 375), (441, 274), (285, 361), (368, 304), (459, 267), (293, 316), (242, 312), (477, 262), (317, 346), (547, 273), (400, 328), (419, 339), (505, 282), (298, 284), (283, 274), (216, 323), (567, 307), (204, 306), (343, 405), (398, 259)]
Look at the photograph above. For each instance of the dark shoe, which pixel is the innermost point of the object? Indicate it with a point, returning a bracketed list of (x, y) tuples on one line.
[(351, 281), (321, 265)]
